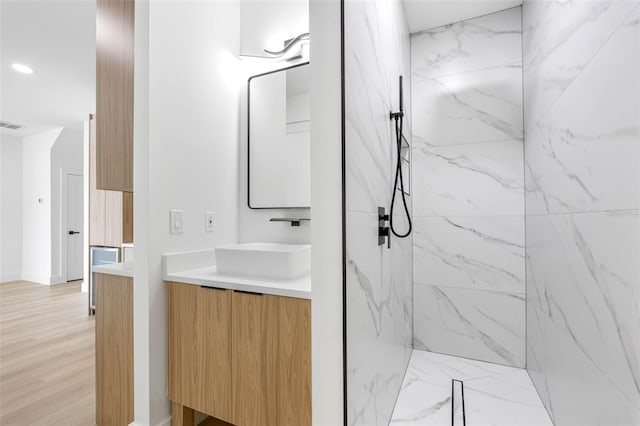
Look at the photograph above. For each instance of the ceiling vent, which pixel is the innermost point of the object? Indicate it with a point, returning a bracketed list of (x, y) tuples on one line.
[(6, 125)]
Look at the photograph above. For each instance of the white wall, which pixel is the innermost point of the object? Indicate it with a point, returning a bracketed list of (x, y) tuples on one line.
[(10, 208), (286, 19), (36, 206), (254, 224), (66, 155), (326, 215), (188, 161)]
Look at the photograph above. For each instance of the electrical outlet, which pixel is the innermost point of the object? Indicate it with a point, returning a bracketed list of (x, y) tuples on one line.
[(175, 221), (209, 224)]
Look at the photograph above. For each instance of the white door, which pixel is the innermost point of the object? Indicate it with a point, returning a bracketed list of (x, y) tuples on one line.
[(74, 227)]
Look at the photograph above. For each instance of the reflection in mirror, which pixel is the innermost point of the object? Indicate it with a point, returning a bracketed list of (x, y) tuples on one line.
[(279, 139)]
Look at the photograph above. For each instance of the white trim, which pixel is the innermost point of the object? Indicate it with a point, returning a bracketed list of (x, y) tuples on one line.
[(64, 174), (36, 278), (5, 278), (59, 279), (165, 422)]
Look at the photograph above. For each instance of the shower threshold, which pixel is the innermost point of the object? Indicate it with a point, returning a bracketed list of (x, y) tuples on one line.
[(443, 390)]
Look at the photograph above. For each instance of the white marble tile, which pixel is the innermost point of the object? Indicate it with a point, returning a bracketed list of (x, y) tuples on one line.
[(575, 391), (482, 253), (582, 271), (504, 399), (583, 154), (477, 106), (472, 44), (368, 150), (494, 394), (379, 320), (423, 403), (476, 179), (434, 367), (483, 325), (376, 53), (379, 284), (559, 40), (489, 411)]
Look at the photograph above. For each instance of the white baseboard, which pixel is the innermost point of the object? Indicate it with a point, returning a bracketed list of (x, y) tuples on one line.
[(165, 422), (5, 278), (35, 278), (57, 280), (43, 279)]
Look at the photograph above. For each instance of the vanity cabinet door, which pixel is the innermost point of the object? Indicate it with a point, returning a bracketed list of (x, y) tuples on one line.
[(294, 362), (200, 349), (255, 363)]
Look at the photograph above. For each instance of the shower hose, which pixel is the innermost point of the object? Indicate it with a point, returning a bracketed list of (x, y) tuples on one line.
[(399, 179)]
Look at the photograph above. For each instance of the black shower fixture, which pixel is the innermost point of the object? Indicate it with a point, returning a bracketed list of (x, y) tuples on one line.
[(398, 117)]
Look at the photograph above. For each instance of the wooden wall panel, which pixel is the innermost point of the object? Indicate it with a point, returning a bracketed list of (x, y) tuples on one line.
[(127, 217), (113, 219), (96, 196), (114, 94), (114, 350)]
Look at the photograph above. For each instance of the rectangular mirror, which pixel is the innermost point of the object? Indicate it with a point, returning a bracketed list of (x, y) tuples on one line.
[(279, 120)]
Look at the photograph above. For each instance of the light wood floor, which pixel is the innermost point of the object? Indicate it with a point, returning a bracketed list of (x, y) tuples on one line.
[(46, 355)]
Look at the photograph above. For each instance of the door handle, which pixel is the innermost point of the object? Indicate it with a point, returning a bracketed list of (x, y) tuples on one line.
[(73, 232)]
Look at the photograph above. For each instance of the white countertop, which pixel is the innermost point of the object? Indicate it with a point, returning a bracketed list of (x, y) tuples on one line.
[(198, 268), (123, 269)]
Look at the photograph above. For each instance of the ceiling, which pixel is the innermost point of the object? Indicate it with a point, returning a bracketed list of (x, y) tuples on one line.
[(426, 14), (57, 39)]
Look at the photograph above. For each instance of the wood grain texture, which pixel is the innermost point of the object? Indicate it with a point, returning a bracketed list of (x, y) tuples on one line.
[(181, 415), (200, 349), (127, 217), (110, 212), (47, 359), (294, 362), (113, 219), (114, 350), (255, 345), (114, 94), (212, 421), (96, 196)]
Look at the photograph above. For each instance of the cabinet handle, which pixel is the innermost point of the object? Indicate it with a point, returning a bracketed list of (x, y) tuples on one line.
[(247, 292), (213, 288)]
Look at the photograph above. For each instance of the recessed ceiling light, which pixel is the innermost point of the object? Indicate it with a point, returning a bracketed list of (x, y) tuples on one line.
[(22, 68)]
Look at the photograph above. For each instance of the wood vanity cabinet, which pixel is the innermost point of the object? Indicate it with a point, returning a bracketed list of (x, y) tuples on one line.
[(244, 358), (114, 350), (200, 349)]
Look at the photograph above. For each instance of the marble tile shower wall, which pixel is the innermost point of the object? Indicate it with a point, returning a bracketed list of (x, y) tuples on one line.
[(468, 182), (379, 285), (582, 150)]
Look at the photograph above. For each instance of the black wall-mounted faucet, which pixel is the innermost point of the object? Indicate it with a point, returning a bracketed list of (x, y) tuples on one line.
[(293, 221)]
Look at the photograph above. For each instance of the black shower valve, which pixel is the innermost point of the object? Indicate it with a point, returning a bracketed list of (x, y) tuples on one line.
[(383, 229)]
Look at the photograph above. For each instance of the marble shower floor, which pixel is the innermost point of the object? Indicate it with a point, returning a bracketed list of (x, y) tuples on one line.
[(493, 394)]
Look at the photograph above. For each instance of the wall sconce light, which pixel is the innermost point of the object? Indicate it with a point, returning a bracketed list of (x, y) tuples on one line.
[(295, 48)]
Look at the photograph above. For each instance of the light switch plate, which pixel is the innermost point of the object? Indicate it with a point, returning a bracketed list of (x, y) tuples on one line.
[(209, 221), (175, 221)]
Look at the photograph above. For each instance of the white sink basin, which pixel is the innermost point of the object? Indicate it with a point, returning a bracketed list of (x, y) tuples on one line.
[(264, 260)]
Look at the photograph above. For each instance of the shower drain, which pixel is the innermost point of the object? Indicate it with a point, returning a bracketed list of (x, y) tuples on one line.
[(457, 403)]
